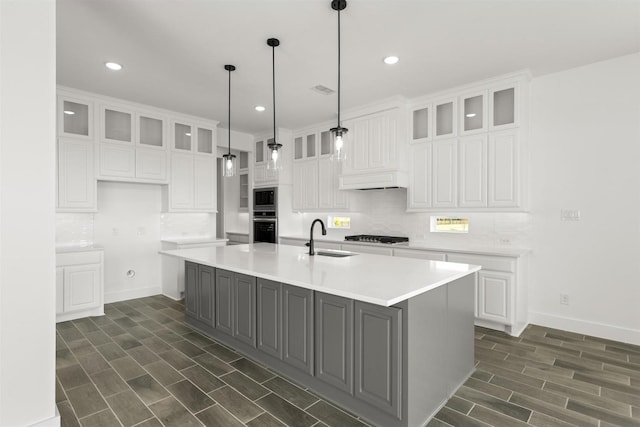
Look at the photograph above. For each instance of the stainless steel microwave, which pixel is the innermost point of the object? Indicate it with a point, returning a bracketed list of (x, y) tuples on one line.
[(265, 199)]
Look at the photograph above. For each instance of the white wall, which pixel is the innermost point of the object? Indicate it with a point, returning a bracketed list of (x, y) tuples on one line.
[(129, 225), (27, 229), (585, 154)]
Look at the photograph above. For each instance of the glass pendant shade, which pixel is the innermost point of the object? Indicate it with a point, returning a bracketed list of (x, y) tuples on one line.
[(228, 165), (275, 161), (339, 137)]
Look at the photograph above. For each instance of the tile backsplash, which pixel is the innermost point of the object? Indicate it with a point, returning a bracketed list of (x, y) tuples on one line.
[(187, 225), (74, 229), (384, 212)]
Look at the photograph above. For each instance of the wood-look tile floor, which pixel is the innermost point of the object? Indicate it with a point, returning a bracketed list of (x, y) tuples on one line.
[(140, 365)]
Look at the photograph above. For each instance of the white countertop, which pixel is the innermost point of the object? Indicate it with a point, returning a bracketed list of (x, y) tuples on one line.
[(192, 239), (377, 279), (470, 249)]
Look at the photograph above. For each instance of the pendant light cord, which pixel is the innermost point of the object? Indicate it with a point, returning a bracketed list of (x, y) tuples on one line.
[(339, 125), (229, 114), (273, 72)]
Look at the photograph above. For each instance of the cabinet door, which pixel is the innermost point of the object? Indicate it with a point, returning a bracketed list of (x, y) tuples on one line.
[(298, 188), (472, 164), (310, 186), (494, 296), (269, 334), (473, 113), (421, 124), (334, 341), (503, 165), (326, 183), (445, 160), (205, 140), (117, 160), (206, 294), (116, 125), (340, 197), (446, 123), (503, 106), (259, 153), (205, 183), (244, 308), (75, 117), (420, 176), (82, 287), (259, 174), (243, 162), (150, 131), (191, 289), (224, 301), (297, 326), (59, 290), (76, 179), (151, 164), (181, 137), (243, 205), (378, 353), (181, 185)]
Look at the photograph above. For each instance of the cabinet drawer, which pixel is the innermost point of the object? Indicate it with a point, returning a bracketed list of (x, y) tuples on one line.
[(420, 254), (487, 262), (76, 258)]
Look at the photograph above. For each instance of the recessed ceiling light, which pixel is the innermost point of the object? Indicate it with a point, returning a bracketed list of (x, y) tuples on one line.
[(260, 108), (69, 112), (113, 66), (470, 115), (390, 60)]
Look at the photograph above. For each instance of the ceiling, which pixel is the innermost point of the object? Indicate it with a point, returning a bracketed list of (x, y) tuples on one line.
[(174, 51)]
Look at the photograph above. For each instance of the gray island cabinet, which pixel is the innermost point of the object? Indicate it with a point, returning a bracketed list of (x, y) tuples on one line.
[(392, 364)]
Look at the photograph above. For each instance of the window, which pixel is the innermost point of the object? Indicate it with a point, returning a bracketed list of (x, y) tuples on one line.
[(440, 224)]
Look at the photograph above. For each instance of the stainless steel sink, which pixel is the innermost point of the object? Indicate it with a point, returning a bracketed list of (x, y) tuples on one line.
[(335, 254)]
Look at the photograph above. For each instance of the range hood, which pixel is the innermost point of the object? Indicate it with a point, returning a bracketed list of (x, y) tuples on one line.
[(374, 180)]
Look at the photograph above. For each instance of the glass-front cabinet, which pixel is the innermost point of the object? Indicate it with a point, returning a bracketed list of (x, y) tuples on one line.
[(191, 137), (305, 146), (473, 117), (446, 118), (421, 130), (503, 107), (150, 131), (116, 125), (75, 117)]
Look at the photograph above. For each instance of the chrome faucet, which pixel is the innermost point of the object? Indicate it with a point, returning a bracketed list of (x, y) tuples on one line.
[(324, 232)]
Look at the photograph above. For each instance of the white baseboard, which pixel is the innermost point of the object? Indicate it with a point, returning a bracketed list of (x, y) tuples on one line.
[(49, 422), (585, 327), (132, 294), (171, 297)]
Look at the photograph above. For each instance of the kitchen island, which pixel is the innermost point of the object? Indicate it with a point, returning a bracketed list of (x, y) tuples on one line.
[(389, 339)]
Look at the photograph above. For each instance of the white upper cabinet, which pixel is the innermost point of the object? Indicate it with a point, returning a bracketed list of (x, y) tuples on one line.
[(504, 105), (116, 125), (76, 178), (446, 118), (473, 113), (192, 137), (466, 148), (75, 117), (421, 123), (305, 146), (243, 161), (151, 131)]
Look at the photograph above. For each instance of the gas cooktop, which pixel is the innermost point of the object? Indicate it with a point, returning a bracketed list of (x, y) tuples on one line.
[(376, 239)]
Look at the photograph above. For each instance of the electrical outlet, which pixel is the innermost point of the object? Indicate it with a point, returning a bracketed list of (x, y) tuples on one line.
[(569, 215), (505, 241), (564, 299)]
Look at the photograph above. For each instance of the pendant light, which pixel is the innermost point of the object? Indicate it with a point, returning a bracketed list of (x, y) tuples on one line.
[(229, 160), (339, 133), (275, 162)]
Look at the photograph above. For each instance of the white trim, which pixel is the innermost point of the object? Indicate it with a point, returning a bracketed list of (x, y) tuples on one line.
[(132, 294), (49, 422), (601, 330)]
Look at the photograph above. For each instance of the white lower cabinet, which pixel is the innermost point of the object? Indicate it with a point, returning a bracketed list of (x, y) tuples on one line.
[(420, 254), (76, 177), (494, 297), (377, 250), (193, 183), (79, 285)]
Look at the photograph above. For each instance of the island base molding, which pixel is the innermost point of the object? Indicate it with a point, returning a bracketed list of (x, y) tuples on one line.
[(434, 354)]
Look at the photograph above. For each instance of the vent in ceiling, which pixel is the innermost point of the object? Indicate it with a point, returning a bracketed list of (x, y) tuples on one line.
[(323, 90)]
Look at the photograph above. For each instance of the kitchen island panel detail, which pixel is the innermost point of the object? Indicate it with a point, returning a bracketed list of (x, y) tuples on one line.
[(191, 289), (378, 356), (334, 341), (269, 317), (224, 301), (244, 308), (298, 325)]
